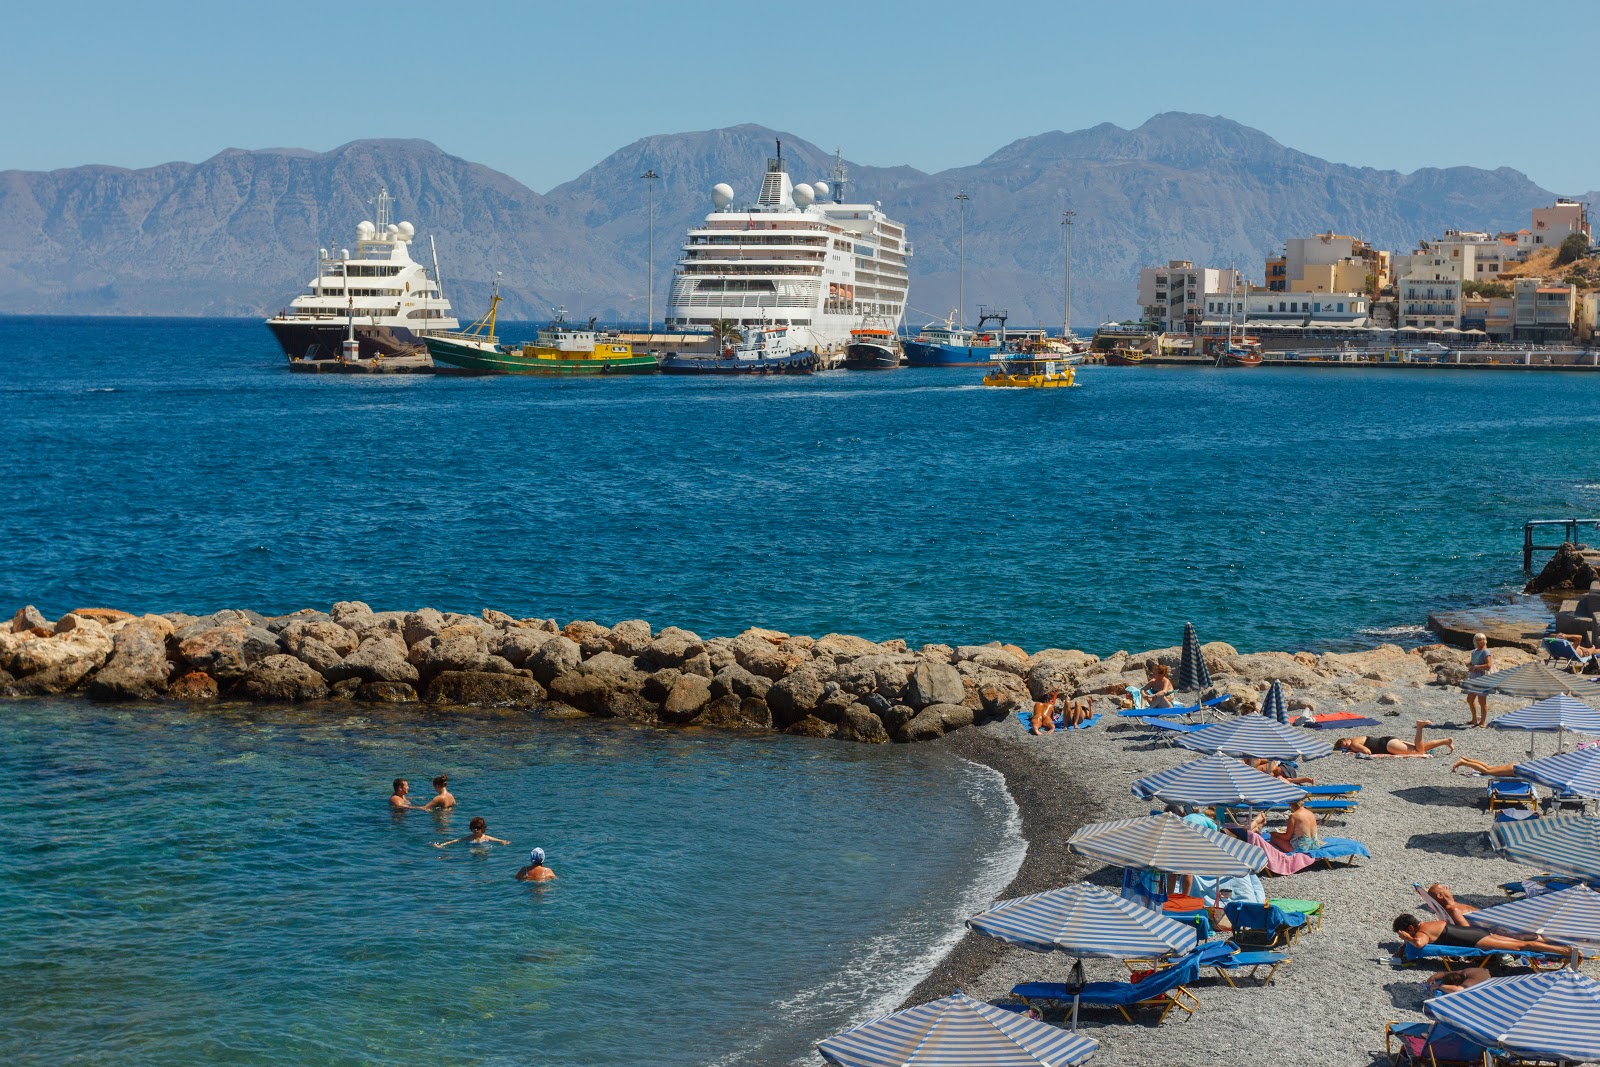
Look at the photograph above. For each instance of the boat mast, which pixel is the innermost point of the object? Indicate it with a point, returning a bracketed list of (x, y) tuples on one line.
[(1066, 312), (438, 282)]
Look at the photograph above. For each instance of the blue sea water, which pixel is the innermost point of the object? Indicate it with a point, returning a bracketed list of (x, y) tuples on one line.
[(226, 887)]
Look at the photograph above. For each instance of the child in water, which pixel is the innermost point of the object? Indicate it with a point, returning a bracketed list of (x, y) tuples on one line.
[(479, 835)]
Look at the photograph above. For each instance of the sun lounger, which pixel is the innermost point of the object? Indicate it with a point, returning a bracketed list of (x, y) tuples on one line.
[(1336, 848), (1322, 805), (1311, 909), (1509, 793), (1561, 799), (1429, 1044), (1171, 731), (1279, 862), (1539, 961), (1238, 961), (1163, 989), (1536, 884), (1264, 926), (1172, 713), (1514, 815), (1560, 650), (1338, 720), (1328, 791)]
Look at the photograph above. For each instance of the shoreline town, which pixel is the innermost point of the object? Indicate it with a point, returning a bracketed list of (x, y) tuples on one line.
[(1336, 985)]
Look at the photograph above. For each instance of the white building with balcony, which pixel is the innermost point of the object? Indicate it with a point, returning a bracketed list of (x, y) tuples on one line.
[(1173, 297)]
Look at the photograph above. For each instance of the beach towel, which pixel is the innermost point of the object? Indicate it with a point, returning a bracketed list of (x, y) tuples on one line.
[(1279, 862), (1026, 719), (1334, 848), (1337, 720)]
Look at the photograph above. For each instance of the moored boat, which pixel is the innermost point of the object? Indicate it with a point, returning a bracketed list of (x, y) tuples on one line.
[(560, 349), (764, 349), (872, 348), (948, 345), (1241, 356), (1125, 357)]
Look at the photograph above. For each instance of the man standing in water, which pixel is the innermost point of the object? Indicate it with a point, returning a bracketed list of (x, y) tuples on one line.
[(536, 871), (442, 798), (399, 799)]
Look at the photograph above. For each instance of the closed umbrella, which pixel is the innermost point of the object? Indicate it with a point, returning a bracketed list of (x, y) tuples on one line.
[(1217, 779), (1567, 917), (1192, 670), (1532, 681), (1085, 921), (956, 1031), (1274, 706), (1165, 842), (1258, 736), (1566, 844), (1577, 771), (1558, 713), (1552, 1014)]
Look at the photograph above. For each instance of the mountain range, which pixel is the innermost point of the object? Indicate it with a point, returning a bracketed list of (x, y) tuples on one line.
[(238, 233)]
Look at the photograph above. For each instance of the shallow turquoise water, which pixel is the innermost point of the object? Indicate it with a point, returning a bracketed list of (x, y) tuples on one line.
[(229, 887)]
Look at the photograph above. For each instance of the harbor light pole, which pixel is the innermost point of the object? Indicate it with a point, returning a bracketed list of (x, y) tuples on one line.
[(961, 275), (1066, 314), (650, 177)]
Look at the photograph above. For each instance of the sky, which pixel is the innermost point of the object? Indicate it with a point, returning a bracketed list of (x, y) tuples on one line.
[(543, 91)]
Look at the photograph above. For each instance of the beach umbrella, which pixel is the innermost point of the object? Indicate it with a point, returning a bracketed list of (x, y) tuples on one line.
[(1192, 670), (1165, 842), (1567, 917), (1551, 1014), (1559, 713), (956, 1031), (1577, 771), (1258, 736), (1273, 704), (1533, 681), (1086, 921), (1566, 844), (1217, 779)]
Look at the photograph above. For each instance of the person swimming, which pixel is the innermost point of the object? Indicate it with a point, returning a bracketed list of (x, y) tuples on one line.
[(478, 836), (536, 871), (442, 797), (399, 800)]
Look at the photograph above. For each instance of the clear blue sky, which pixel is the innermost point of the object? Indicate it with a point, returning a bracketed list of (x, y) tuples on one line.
[(542, 91)]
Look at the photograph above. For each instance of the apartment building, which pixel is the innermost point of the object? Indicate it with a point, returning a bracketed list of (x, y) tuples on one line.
[(1544, 312), (1429, 284), (1173, 296)]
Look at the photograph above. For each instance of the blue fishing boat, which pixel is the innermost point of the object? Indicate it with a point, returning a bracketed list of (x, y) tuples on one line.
[(944, 344)]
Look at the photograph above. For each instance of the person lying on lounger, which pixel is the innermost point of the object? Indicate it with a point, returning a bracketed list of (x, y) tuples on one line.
[(1301, 833), (1044, 714), (1438, 932), (1278, 770), (1493, 770), (1447, 900), (1576, 641), (1374, 745), (1456, 981)]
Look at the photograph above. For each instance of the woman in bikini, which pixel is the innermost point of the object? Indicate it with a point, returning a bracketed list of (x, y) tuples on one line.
[(1377, 745), (1158, 692), (1044, 715), (1482, 663)]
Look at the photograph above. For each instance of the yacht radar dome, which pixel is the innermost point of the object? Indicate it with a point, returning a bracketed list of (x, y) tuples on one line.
[(722, 194), (804, 195), (365, 230), (820, 190), (407, 231)]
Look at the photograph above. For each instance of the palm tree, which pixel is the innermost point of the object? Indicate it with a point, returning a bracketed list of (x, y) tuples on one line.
[(725, 332)]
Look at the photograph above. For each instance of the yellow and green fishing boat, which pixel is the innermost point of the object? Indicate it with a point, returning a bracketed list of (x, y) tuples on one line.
[(561, 348)]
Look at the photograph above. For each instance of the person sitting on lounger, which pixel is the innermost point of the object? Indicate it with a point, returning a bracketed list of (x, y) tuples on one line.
[(1301, 833), (1278, 770), (1158, 691), (1456, 981), (1493, 770), (1044, 714), (1372, 745), (1447, 900), (1419, 934)]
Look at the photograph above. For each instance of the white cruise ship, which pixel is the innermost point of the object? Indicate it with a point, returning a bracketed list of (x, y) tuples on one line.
[(798, 257), (390, 299)]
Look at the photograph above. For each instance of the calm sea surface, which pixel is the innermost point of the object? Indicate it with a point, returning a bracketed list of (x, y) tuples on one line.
[(226, 887)]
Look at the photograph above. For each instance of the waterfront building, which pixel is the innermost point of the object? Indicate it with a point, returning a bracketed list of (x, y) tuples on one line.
[(1544, 312), (1307, 310), (1493, 315), (1331, 263), (1174, 296), (1588, 317), (1429, 284), (1482, 256)]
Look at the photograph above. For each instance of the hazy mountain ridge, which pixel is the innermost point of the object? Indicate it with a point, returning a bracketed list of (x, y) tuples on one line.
[(237, 234)]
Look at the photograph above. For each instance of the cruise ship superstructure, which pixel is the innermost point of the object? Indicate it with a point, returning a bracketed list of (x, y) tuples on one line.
[(798, 257), (388, 300)]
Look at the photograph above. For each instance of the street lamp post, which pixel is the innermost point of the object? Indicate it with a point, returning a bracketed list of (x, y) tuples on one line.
[(1066, 315), (961, 276), (650, 177)]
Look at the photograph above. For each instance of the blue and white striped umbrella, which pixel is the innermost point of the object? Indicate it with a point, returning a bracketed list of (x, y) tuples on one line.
[(1193, 674), (1165, 842), (1577, 771), (1258, 736), (956, 1031), (1565, 844), (1560, 712), (1273, 705), (1533, 681), (1553, 1014), (1567, 917), (1217, 779), (1086, 921)]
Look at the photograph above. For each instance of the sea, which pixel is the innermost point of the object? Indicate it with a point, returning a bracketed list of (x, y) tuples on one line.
[(227, 885)]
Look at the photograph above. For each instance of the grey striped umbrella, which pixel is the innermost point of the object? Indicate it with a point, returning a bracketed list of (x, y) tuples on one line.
[(1567, 917), (1193, 674), (956, 1031), (1533, 681), (1167, 843), (1553, 1015), (1258, 736), (1084, 920), (1577, 771), (1217, 779), (1273, 704), (1566, 844)]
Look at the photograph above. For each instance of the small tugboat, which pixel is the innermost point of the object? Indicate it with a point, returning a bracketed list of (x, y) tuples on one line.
[(763, 349), (560, 349), (872, 348)]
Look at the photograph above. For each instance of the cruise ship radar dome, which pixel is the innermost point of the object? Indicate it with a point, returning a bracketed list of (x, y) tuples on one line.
[(821, 190), (365, 230), (722, 194), (407, 230), (803, 195)]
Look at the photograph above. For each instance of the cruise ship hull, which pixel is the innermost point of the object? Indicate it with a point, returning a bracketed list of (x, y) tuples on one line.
[(923, 354), (315, 341)]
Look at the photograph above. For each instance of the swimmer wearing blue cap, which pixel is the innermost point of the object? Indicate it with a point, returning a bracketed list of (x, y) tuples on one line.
[(536, 871)]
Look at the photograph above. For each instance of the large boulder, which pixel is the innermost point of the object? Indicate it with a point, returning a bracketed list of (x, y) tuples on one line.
[(761, 656), (811, 726), (517, 644), (379, 659), (484, 688), (631, 637), (991, 656), (227, 651), (700, 665), (858, 723), (284, 679), (339, 638), (377, 624), (848, 646), (557, 656), (194, 687), (56, 663), (741, 683), (606, 685), (455, 648), (673, 647), (952, 716), (730, 713), (926, 726), (895, 717), (934, 682), (421, 624), (138, 667), (319, 656), (107, 617), (348, 609), (386, 693), (878, 673), (687, 698), (793, 697), (30, 618), (1567, 570)]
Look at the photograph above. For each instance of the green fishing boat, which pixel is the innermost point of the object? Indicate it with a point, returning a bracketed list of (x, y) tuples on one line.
[(561, 348)]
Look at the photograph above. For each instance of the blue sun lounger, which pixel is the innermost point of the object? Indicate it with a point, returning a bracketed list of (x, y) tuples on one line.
[(1325, 792), (1509, 793), (1539, 961), (1268, 924), (1172, 713), (1336, 848), (1163, 989)]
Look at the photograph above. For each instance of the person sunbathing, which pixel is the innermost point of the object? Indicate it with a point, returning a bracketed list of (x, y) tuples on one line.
[(1278, 770), (1493, 770), (1375, 745), (1158, 691), (1044, 714), (1078, 710), (1419, 934), (1301, 833), (1576, 641), (1456, 981), (1442, 896)]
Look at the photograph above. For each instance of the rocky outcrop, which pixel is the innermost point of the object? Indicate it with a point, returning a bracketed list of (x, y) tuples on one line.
[(484, 688), (1565, 571), (138, 668), (283, 679), (224, 651), (56, 662)]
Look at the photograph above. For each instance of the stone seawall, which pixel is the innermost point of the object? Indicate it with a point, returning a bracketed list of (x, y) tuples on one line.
[(838, 685)]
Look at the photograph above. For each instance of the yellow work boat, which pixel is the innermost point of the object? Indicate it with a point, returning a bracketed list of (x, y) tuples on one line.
[(1031, 372)]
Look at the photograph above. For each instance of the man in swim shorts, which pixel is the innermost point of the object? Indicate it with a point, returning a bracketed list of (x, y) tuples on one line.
[(536, 871), (1438, 932), (442, 798)]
